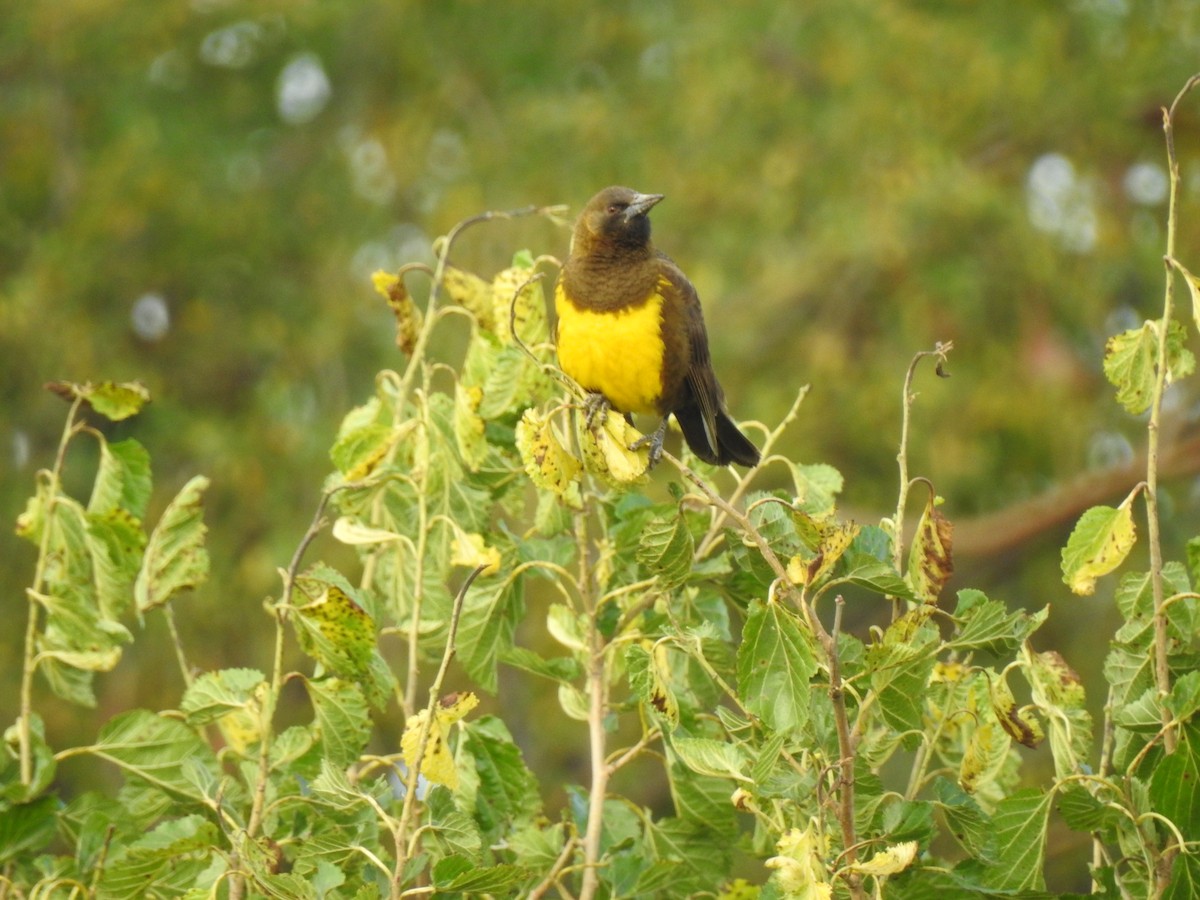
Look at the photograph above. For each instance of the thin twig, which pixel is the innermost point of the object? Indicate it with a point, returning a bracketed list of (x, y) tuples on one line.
[(555, 870), (845, 751), (939, 351), (1162, 670), (24, 723), (414, 770)]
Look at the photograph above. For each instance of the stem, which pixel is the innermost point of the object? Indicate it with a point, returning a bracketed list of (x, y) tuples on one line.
[(29, 665), (1162, 669), (940, 350), (597, 685), (237, 885), (845, 750), (715, 529), (181, 658), (414, 771), (552, 876), (597, 689)]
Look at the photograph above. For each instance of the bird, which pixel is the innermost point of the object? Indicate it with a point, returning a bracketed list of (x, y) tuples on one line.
[(630, 331)]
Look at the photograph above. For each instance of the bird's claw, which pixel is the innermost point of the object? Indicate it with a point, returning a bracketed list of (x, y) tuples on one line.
[(655, 442), (594, 405)]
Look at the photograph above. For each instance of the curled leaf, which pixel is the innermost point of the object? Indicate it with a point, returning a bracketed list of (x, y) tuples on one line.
[(115, 400), (607, 453), (474, 293), (1019, 723), (408, 316), (889, 861), (930, 561)]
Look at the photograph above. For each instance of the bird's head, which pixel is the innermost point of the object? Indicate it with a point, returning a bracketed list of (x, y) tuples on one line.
[(617, 216)]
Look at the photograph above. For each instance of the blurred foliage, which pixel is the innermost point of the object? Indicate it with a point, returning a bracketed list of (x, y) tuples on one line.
[(193, 195)]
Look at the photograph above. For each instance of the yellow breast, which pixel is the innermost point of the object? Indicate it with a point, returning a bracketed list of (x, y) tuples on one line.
[(617, 353)]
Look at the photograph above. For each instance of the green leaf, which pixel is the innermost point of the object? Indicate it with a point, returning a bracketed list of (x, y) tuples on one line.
[(115, 541), (1185, 878), (879, 578), (175, 558), (985, 624), (358, 451), (333, 628), (1020, 823), (774, 664), (216, 694), (122, 479), (650, 683), (343, 725), (485, 632), (165, 862), (115, 400), (1141, 714), (1131, 362), (1058, 694), (968, 823), (563, 669), (1082, 811), (26, 829), (710, 757), (458, 873), (1098, 544), (666, 549), (817, 487), (1175, 784), (702, 800), (155, 750), (44, 764), (703, 853), (1184, 699), (900, 666), (508, 792)]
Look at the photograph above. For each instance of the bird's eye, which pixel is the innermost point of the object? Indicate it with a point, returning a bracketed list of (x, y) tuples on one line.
[(614, 208)]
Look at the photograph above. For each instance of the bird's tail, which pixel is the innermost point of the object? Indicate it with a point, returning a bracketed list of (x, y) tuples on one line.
[(732, 445)]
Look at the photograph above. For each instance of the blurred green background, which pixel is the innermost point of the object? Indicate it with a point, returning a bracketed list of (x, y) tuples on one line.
[(193, 194)]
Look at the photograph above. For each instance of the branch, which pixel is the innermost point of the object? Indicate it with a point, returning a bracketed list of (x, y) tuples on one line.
[(414, 771)]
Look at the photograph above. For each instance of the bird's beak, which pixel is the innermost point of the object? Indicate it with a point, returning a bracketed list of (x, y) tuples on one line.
[(641, 205)]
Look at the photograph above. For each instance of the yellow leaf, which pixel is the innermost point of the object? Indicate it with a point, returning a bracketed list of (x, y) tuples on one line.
[(469, 550), (352, 532), (930, 563), (437, 764), (408, 317), (832, 539), (472, 292), (469, 425), (242, 728), (800, 867), (606, 451), (1194, 288), (547, 462), (519, 304), (895, 858), (1100, 541), (984, 756), (1021, 726)]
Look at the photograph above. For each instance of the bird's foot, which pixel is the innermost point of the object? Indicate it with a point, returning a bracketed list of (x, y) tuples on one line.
[(595, 409), (654, 441)]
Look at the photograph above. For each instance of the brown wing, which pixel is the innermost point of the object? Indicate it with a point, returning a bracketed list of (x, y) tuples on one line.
[(694, 383)]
